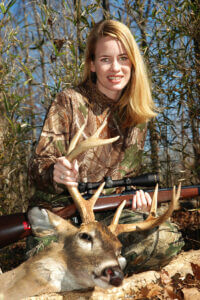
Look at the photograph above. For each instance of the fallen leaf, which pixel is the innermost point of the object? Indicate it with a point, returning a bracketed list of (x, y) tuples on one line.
[(196, 270), (164, 277)]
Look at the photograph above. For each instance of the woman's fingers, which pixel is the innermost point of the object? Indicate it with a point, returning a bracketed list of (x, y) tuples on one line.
[(62, 161), (141, 201), (134, 203), (66, 172), (148, 199), (75, 166)]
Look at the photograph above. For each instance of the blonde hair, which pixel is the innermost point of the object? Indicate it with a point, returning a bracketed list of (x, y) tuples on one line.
[(135, 105)]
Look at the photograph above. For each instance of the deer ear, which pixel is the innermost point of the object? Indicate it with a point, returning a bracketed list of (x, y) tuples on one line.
[(44, 223)]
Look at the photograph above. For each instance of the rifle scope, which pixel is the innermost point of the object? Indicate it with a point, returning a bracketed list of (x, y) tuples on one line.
[(146, 180)]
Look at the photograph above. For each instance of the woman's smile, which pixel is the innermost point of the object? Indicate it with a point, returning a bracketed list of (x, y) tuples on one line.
[(115, 79)]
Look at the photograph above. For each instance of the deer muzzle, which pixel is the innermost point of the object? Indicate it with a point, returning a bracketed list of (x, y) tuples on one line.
[(113, 275)]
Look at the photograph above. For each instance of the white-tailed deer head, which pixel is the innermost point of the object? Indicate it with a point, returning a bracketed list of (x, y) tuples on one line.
[(82, 257)]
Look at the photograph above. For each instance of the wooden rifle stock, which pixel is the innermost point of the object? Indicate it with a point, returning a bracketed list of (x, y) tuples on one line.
[(15, 227), (111, 202)]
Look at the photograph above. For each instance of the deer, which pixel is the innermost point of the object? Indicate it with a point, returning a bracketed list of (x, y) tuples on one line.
[(83, 257)]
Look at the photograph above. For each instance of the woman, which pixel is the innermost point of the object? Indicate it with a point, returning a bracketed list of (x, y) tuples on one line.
[(115, 86)]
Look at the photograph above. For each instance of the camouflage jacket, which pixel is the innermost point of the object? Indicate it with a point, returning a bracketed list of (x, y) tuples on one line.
[(70, 109)]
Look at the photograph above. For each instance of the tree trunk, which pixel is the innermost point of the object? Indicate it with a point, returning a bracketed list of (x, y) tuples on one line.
[(195, 108), (79, 43), (41, 51), (154, 143), (106, 9), (143, 15), (29, 86)]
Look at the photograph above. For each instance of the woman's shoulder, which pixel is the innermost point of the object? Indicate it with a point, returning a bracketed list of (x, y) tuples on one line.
[(70, 92), (76, 95), (69, 98)]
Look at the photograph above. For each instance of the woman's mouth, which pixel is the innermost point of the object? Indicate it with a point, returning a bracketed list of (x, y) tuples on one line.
[(115, 78)]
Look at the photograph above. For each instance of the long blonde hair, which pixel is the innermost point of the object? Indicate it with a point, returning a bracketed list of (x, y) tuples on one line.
[(135, 105)]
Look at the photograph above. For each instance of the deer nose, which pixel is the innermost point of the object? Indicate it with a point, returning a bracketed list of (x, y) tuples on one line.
[(115, 274)]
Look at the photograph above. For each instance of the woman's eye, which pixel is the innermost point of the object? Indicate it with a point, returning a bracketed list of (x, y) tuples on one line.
[(123, 58), (105, 59)]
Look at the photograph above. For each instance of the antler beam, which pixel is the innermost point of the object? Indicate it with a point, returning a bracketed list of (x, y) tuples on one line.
[(152, 221)]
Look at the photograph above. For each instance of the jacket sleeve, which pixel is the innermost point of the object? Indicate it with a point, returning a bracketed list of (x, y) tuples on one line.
[(53, 143)]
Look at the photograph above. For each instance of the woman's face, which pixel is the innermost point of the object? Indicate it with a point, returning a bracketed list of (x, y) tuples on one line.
[(112, 67)]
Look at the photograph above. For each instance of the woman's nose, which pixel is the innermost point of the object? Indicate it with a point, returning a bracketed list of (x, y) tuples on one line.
[(115, 65)]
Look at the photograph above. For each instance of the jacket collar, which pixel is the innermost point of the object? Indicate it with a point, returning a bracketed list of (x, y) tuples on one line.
[(90, 90)]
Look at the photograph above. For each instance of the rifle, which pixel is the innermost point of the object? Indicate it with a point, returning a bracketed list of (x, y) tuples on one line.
[(16, 226)]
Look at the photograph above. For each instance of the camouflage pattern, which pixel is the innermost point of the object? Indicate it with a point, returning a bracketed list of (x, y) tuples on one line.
[(68, 112), (150, 249)]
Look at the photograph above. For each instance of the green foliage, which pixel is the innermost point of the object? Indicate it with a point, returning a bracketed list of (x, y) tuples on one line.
[(5, 9), (15, 128)]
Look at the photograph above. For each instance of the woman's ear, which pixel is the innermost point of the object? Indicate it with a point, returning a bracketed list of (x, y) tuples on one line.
[(92, 66)]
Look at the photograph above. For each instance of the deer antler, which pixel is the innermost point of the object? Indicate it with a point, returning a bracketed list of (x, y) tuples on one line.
[(152, 221), (85, 207)]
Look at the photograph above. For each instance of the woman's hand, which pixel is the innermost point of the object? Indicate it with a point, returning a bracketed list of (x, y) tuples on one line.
[(141, 201), (66, 172)]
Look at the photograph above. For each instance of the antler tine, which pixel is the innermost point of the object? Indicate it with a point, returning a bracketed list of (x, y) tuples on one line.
[(90, 143), (152, 221), (75, 139), (99, 130), (153, 210), (85, 207), (96, 195), (116, 217)]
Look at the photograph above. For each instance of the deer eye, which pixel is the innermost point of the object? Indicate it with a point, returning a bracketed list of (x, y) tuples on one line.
[(85, 236)]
